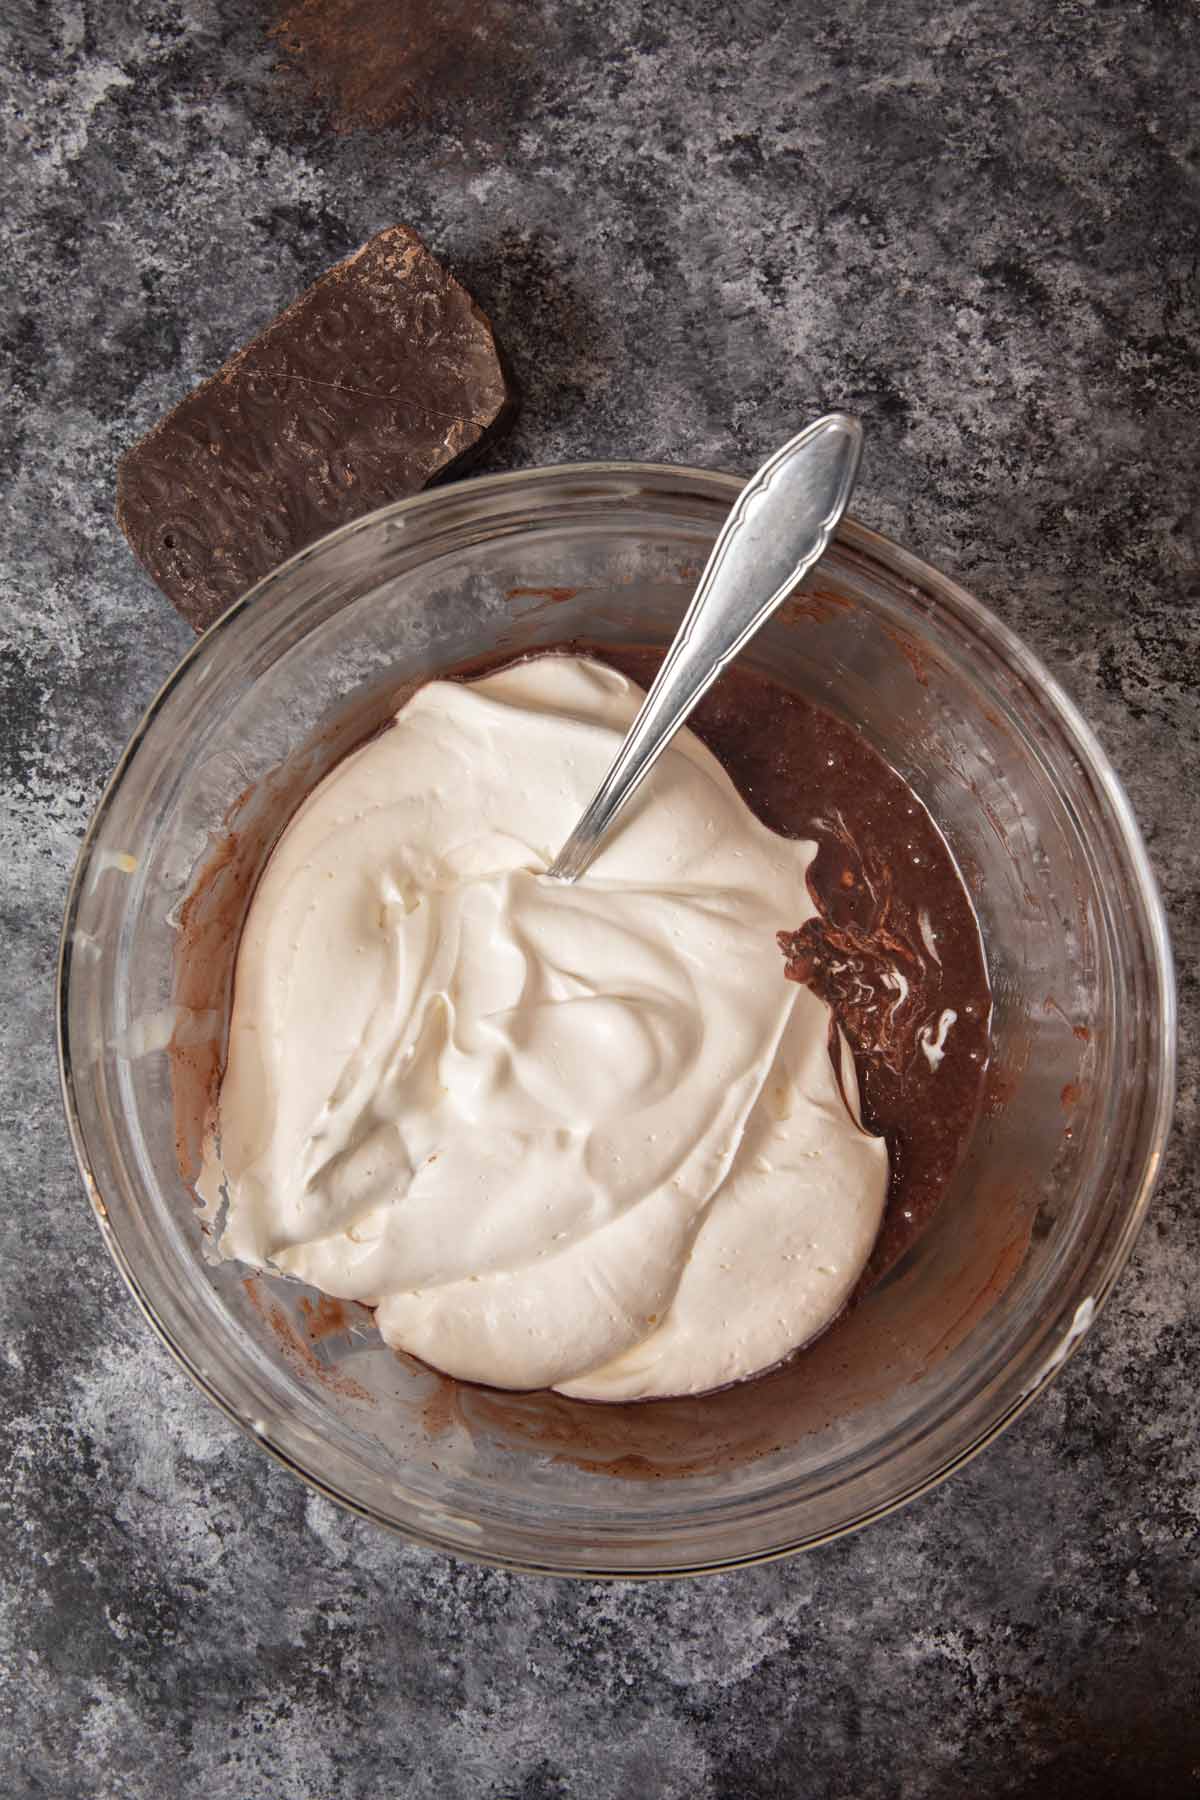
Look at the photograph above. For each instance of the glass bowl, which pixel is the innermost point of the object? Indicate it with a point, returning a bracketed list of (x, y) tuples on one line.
[(908, 1383)]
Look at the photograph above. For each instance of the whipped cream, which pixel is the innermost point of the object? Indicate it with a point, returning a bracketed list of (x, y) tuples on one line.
[(579, 1136)]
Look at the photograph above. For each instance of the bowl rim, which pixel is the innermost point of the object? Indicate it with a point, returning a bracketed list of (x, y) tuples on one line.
[(948, 592)]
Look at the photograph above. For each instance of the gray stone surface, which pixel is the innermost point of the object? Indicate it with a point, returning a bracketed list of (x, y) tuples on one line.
[(975, 223)]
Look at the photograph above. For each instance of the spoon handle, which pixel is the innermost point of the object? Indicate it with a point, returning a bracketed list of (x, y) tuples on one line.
[(781, 524)]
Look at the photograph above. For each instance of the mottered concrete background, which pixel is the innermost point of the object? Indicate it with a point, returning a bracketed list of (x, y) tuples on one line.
[(977, 225)]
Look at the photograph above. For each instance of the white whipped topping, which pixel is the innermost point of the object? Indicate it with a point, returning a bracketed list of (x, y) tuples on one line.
[(577, 1136)]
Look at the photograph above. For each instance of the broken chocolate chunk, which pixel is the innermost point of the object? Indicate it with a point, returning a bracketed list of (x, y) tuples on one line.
[(383, 377)]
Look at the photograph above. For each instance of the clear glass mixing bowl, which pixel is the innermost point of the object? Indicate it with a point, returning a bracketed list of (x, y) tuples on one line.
[(908, 1384)]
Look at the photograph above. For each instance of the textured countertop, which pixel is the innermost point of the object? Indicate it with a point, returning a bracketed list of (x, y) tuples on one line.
[(694, 225)]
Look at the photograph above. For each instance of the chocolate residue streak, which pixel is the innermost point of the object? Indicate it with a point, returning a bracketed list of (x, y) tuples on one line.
[(1050, 1004), (1000, 1088), (443, 1410), (297, 1353), (880, 862), (910, 651), (1009, 1260), (554, 596), (204, 985), (376, 63), (327, 1317), (813, 606), (989, 813)]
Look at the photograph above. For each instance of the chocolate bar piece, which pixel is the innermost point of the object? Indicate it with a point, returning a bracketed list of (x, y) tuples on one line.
[(381, 378)]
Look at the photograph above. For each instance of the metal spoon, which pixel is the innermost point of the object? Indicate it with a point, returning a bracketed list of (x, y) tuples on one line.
[(781, 524)]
